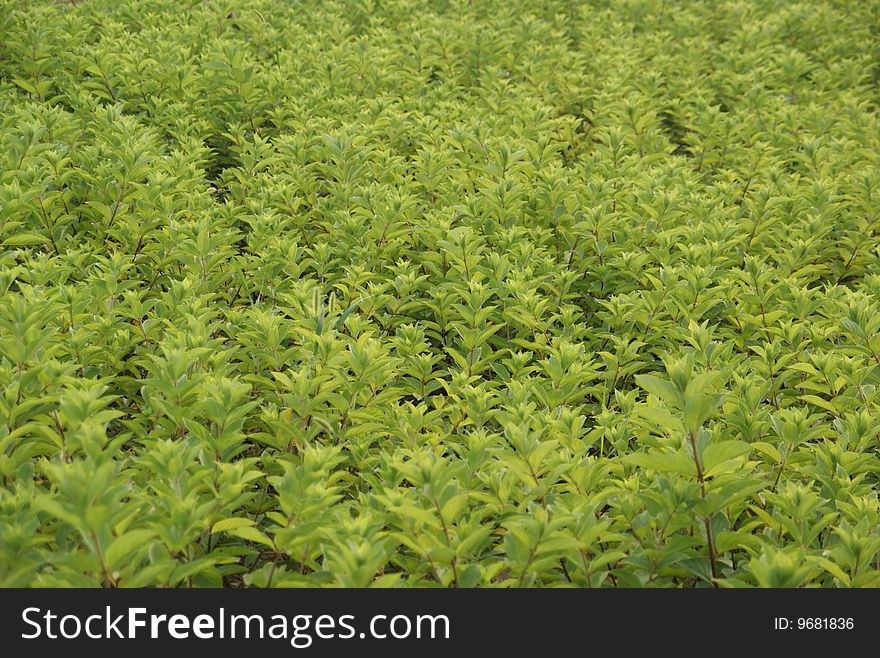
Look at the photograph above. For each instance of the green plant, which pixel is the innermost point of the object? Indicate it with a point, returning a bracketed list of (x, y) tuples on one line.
[(439, 293)]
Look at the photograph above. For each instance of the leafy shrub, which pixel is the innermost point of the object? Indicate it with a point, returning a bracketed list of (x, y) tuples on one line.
[(439, 293)]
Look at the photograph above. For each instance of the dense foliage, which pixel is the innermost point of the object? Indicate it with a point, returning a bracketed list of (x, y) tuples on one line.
[(439, 293)]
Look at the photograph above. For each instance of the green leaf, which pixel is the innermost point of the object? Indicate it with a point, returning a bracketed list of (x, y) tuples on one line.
[(698, 408), (661, 418), (717, 456), (25, 240), (663, 462), (57, 510), (226, 525), (126, 544), (820, 402), (252, 534), (665, 390)]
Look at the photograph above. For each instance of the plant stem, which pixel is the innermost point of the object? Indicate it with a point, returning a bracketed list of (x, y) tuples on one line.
[(453, 562), (707, 521)]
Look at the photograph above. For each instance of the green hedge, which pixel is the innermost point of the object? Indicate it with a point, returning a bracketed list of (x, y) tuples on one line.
[(425, 293)]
